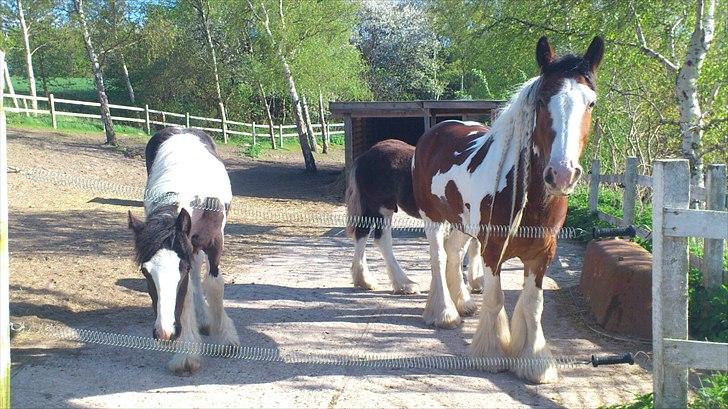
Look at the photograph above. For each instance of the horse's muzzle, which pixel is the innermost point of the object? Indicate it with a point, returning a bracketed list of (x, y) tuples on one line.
[(561, 178)]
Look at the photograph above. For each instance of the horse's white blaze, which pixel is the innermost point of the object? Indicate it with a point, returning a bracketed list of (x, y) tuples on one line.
[(567, 109), (183, 165), (516, 122), (164, 269)]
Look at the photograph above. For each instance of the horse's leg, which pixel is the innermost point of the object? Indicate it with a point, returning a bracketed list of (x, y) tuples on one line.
[(527, 339), (184, 364), (492, 336), (359, 268), (222, 327), (455, 248), (475, 267), (201, 305), (440, 309), (401, 284)]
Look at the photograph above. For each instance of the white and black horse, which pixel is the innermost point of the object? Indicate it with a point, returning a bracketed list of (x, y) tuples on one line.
[(186, 201)]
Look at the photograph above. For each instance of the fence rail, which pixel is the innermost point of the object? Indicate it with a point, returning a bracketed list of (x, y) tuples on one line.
[(151, 117), (672, 222), (713, 195)]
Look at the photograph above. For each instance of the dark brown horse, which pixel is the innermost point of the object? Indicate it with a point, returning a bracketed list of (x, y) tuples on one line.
[(380, 183), (519, 172)]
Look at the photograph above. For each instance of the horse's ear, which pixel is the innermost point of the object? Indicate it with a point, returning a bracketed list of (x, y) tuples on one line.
[(184, 223), (135, 224), (594, 53), (544, 53)]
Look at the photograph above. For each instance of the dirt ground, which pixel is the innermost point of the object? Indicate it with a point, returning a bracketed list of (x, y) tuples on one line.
[(287, 288)]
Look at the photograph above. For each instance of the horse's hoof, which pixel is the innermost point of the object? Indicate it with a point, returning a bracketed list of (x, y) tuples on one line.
[(184, 365), (537, 373), (467, 308), (409, 288), (447, 319), (476, 286)]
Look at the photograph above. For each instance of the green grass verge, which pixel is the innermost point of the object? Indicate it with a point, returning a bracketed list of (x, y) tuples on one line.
[(713, 394), (69, 124), (263, 145)]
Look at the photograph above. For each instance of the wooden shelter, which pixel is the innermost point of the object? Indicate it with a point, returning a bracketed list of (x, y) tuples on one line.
[(366, 123)]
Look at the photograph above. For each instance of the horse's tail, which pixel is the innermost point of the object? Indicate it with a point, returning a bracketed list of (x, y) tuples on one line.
[(353, 202)]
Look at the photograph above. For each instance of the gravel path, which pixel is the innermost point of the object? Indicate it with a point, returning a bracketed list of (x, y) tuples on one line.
[(289, 289)]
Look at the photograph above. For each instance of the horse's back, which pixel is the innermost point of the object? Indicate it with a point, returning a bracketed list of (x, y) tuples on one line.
[(384, 176), (185, 162)]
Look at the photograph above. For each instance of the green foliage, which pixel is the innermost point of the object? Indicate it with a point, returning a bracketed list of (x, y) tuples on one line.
[(640, 402), (713, 394), (708, 309)]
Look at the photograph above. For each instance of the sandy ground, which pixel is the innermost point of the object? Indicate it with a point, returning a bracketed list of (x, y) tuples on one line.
[(288, 289)]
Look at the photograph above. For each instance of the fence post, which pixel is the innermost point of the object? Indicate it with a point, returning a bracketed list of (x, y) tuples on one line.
[(52, 108), (713, 248), (4, 255), (594, 187), (630, 191), (255, 135), (146, 119), (187, 119), (280, 132), (223, 123), (271, 132), (670, 188)]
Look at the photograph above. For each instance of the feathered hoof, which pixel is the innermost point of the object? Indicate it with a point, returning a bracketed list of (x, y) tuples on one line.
[(184, 364), (408, 288), (227, 335), (448, 318), (467, 308), (477, 285), (363, 280), (537, 373)]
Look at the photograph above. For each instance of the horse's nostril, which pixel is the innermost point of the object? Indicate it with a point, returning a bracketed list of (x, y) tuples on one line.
[(577, 174), (549, 177)]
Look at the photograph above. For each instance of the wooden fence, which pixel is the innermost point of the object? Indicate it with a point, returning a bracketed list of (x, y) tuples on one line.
[(713, 195), (672, 223), (146, 117)]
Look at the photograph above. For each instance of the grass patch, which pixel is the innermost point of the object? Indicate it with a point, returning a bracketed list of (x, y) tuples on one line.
[(69, 124), (263, 145), (713, 394)]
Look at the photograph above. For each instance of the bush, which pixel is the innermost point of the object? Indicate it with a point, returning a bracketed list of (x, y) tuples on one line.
[(713, 394)]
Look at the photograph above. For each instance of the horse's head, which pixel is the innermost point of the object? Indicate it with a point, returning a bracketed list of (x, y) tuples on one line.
[(563, 119), (164, 252)]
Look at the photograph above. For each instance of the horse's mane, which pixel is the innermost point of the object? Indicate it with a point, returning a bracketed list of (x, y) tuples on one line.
[(158, 233), (516, 122)]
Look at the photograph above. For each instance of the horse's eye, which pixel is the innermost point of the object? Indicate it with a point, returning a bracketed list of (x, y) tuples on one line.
[(591, 105)]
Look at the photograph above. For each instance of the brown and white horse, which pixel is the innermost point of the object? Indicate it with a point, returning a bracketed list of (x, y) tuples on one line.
[(380, 183), (186, 201), (519, 172)]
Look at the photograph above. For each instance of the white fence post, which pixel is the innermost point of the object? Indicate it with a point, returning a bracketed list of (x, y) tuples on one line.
[(187, 119), (594, 187), (4, 255), (223, 123), (52, 108), (670, 188), (280, 132), (713, 248), (146, 119), (630, 191), (255, 135)]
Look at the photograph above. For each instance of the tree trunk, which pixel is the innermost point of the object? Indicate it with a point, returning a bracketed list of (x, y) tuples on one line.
[(43, 75), (208, 35), (686, 89), (309, 128), (308, 158), (268, 116), (324, 128), (98, 75), (28, 53), (127, 80)]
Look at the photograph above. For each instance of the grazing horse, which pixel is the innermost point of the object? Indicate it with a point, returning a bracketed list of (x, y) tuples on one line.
[(519, 172), (186, 201), (380, 182)]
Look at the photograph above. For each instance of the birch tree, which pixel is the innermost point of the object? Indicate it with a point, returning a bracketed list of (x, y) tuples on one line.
[(687, 73), (98, 75), (202, 8), (30, 14)]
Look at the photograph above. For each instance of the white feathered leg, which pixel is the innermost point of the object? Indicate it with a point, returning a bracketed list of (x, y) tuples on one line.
[(401, 284), (475, 267), (492, 337), (222, 327), (201, 306), (440, 309), (359, 268), (455, 248), (184, 364), (527, 339)]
